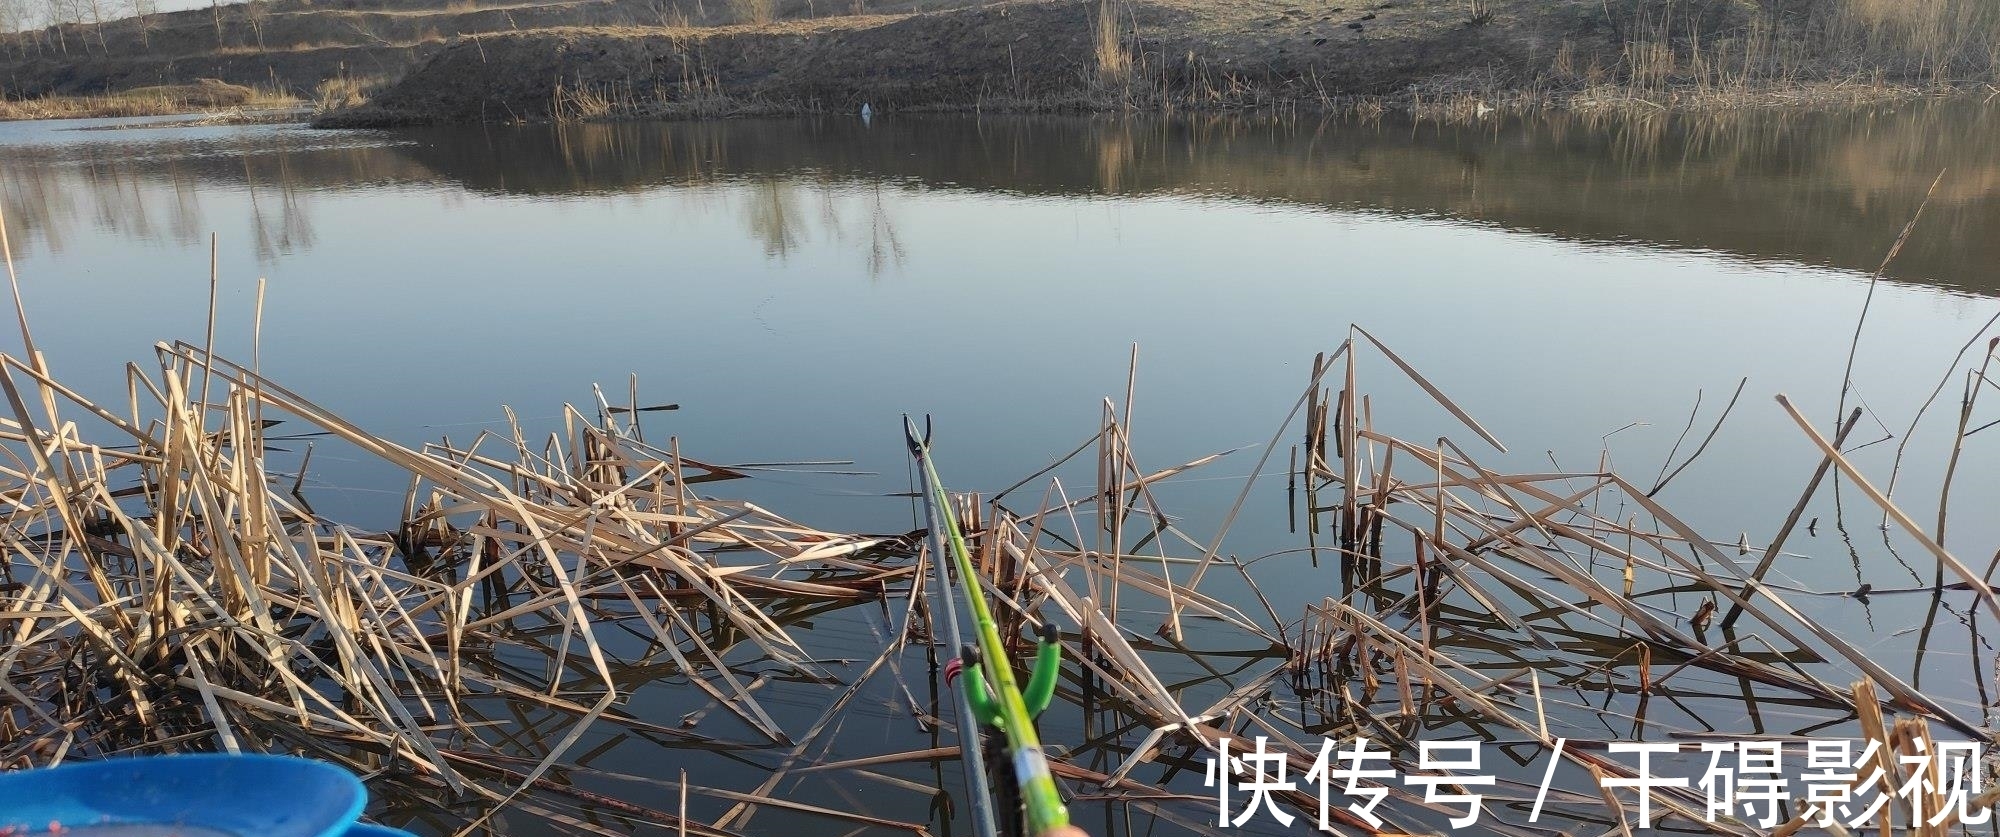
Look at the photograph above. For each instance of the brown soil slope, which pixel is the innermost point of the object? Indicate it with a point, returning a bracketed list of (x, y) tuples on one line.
[(1033, 53), (298, 43), (535, 59)]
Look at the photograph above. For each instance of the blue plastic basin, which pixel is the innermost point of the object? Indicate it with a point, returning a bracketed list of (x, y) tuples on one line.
[(191, 795), (363, 830)]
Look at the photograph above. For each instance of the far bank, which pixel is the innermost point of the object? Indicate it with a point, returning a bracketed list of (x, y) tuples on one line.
[(1440, 57)]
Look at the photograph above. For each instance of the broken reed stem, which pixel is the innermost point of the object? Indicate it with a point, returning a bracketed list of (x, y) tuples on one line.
[(1868, 301), (1777, 543), (1717, 428), (1966, 404), (1916, 532)]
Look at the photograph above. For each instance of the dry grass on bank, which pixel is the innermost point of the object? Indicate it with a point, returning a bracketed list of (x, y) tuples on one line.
[(162, 100), (1155, 55), (1938, 40), (1782, 54), (340, 92), (1168, 56)]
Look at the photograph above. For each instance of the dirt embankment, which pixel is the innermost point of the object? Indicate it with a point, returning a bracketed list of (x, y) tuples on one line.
[(299, 43), (469, 60), (1023, 54), (294, 72), (290, 49)]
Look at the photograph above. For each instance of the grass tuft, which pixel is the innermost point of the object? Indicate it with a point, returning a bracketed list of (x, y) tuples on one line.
[(1114, 64)]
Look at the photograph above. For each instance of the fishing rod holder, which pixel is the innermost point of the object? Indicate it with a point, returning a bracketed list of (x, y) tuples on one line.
[(1042, 679)]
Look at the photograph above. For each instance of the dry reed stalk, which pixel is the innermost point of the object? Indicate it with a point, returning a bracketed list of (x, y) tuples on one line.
[(1777, 545), (1113, 64), (1943, 556)]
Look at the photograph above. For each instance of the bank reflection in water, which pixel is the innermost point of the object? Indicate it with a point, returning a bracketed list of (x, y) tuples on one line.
[(151, 188), (1827, 189)]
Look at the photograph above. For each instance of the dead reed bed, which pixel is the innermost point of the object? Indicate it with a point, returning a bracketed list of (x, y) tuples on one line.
[(1549, 616), (165, 589)]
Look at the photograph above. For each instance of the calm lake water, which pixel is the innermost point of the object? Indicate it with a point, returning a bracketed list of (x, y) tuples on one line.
[(796, 286)]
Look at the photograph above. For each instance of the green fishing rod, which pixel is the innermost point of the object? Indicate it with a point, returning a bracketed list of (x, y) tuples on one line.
[(986, 686)]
